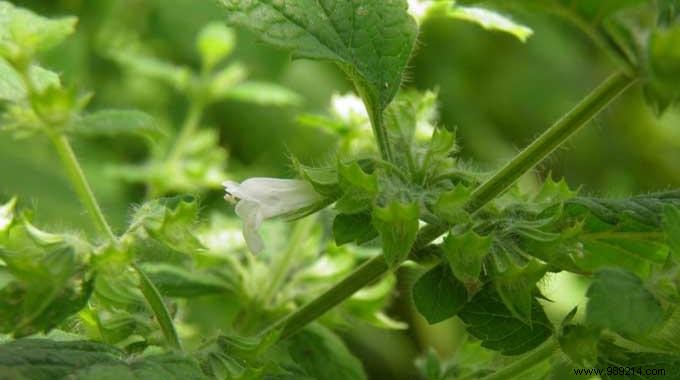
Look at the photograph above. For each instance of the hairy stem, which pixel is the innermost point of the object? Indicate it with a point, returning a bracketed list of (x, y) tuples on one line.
[(551, 139), (380, 133), (82, 187), (494, 186), (527, 362), (155, 301)]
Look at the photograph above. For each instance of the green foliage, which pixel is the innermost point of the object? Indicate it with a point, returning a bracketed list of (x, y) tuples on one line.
[(177, 294), (488, 319), (371, 41), (397, 224), (438, 295), (618, 300), (47, 359)]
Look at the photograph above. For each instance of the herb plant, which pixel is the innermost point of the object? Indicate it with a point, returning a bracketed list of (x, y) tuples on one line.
[(395, 196)]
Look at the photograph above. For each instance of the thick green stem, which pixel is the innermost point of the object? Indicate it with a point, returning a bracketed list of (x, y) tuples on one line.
[(527, 362), (555, 136), (381, 136), (496, 185), (362, 276), (155, 301), (80, 184)]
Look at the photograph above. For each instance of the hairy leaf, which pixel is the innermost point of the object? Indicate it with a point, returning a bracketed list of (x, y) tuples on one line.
[(320, 354), (619, 301), (371, 40), (438, 295), (397, 224), (38, 359), (488, 319)]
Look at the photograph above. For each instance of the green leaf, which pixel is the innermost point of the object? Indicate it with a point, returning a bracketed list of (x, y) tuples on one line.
[(356, 228), (168, 220), (13, 89), (370, 40), (488, 319), (114, 123), (47, 287), (491, 20), (24, 34), (580, 343), (321, 354), (174, 281), (397, 224), (438, 295), (38, 359), (262, 93), (664, 61), (451, 205), (215, 42), (465, 255), (671, 225), (359, 188), (645, 365), (618, 300), (179, 77)]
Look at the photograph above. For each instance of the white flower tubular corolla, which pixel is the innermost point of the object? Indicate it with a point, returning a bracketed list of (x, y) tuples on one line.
[(258, 199)]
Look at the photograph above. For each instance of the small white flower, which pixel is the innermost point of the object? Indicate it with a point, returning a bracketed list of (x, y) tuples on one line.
[(349, 108), (265, 198)]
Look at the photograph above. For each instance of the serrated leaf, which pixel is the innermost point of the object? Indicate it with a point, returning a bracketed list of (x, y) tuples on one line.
[(644, 365), (39, 359), (356, 228), (370, 40), (488, 319), (46, 288), (168, 220), (637, 310), (438, 295), (321, 354), (397, 224), (24, 34), (114, 123), (580, 343), (465, 255), (451, 205), (12, 87)]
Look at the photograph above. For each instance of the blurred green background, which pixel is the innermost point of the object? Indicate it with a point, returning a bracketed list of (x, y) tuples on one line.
[(498, 92)]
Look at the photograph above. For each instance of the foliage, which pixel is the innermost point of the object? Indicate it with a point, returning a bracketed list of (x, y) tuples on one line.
[(131, 304)]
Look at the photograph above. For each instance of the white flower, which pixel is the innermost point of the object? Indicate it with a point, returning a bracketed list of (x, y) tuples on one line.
[(419, 8), (264, 198), (349, 108)]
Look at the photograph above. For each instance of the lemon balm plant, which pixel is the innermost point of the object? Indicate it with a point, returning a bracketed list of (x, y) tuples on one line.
[(124, 304)]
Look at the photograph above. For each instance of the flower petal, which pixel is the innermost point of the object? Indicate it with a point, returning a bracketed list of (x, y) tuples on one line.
[(251, 214)]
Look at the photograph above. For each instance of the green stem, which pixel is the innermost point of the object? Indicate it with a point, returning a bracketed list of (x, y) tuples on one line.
[(80, 184), (362, 276), (527, 362), (155, 301), (494, 186), (551, 139), (189, 128), (381, 136), (281, 266)]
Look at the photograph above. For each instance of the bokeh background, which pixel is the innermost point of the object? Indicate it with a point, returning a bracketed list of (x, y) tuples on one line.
[(498, 92)]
